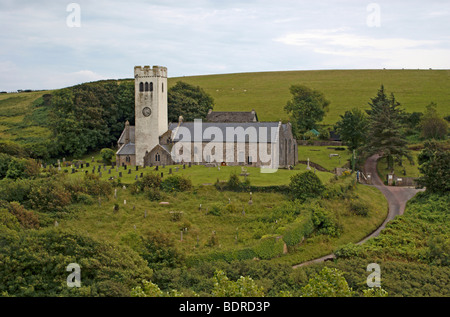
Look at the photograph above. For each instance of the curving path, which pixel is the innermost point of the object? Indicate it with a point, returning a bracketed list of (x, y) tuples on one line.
[(397, 198)]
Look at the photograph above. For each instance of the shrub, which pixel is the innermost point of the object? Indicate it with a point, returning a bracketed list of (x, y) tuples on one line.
[(149, 181), (154, 194), (49, 196), (82, 198), (325, 222), (269, 248), (305, 185), (26, 218), (176, 183)]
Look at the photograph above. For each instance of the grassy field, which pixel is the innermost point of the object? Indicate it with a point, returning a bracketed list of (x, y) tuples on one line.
[(410, 170), (268, 92), (321, 155), (19, 119), (202, 175)]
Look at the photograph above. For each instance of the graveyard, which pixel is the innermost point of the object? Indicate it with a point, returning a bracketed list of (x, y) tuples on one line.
[(206, 222)]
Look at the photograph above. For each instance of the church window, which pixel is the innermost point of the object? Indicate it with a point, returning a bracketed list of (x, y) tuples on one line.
[(162, 87), (249, 160), (157, 157), (127, 159), (141, 87), (146, 86), (151, 86)]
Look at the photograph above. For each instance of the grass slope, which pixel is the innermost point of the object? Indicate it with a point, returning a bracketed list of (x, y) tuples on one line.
[(268, 92)]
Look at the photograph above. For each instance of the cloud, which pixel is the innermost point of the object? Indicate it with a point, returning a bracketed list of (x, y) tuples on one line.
[(386, 51)]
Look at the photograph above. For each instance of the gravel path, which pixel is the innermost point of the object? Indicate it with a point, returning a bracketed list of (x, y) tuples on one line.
[(397, 198)]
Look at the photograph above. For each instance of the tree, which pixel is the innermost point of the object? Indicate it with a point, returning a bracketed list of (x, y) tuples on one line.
[(385, 131), (432, 124), (329, 282), (306, 108), (353, 128), (434, 161), (188, 101), (107, 155)]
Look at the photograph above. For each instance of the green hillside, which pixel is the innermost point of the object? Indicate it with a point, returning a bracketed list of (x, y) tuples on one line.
[(268, 92)]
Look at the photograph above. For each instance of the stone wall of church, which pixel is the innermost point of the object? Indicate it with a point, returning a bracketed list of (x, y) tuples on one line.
[(125, 160)]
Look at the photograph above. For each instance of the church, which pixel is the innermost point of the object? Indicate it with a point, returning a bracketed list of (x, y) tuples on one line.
[(223, 138)]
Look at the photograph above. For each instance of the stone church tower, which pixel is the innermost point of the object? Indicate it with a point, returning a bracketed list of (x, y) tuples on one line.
[(150, 108)]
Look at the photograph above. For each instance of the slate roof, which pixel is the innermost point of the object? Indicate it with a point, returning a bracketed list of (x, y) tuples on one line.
[(259, 131), (127, 149), (231, 116), (132, 137)]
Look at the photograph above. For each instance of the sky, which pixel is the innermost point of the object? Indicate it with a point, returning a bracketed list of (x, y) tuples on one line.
[(50, 44)]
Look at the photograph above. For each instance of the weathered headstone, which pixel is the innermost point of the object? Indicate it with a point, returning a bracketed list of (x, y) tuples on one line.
[(115, 192), (184, 166), (87, 164), (120, 174), (136, 178), (109, 171), (156, 168), (162, 174), (137, 168), (129, 171), (142, 175)]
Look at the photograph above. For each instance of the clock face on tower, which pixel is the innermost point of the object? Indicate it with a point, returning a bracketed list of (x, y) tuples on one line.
[(146, 111)]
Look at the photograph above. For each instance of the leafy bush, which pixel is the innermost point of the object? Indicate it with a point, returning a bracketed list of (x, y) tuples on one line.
[(27, 219), (49, 196), (325, 222), (305, 185), (154, 194), (269, 248), (176, 183)]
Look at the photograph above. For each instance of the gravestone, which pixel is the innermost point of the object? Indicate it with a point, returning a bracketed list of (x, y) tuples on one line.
[(100, 174), (142, 175), (162, 174), (109, 171), (137, 168), (184, 166), (87, 164), (136, 178), (129, 171), (115, 193), (73, 170), (189, 164), (120, 174), (170, 171), (156, 168)]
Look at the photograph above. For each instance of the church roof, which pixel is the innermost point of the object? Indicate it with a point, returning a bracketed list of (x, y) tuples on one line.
[(122, 136), (231, 131), (127, 149), (232, 116)]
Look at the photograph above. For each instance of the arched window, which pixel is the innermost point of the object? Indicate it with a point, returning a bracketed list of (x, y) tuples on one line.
[(146, 86), (151, 86), (157, 157), (127, 159), (141, 87)]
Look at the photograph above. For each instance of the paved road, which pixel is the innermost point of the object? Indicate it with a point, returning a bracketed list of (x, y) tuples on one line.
[(397, 198)]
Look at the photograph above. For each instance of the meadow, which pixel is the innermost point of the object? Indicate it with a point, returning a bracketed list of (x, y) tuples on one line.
[(268, 92)]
